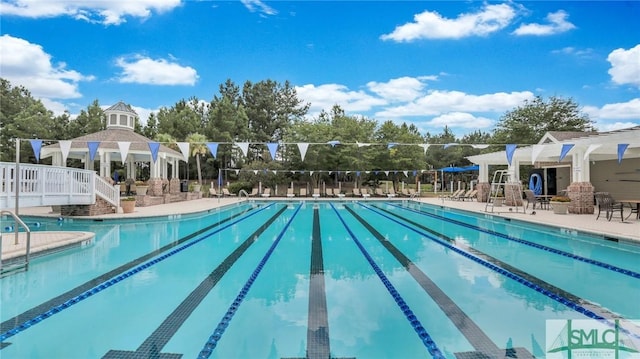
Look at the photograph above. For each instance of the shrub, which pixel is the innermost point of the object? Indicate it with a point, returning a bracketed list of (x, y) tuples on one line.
[(560, 199), (237, 186), (128, 199)]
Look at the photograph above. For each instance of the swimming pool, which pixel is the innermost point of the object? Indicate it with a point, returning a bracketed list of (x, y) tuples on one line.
[(313, 280)]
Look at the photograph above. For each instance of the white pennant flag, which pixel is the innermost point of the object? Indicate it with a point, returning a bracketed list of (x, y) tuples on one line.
[(425, 146), (237, 171), (310, 173), (255, 172), (244, 147), (124, 150), (386, 173), (406, 173), (590, 149), (302, 147), (184, 148), (535, 152), (480, 146), (65, 147), (362, 144)]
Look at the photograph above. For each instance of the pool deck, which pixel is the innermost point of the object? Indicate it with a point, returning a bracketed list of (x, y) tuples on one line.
[(628, 230)]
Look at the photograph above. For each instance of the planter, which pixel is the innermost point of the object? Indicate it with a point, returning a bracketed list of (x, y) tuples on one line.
[(197, 187), (128, 206), (497, 202), (560, 207), (141, 190)]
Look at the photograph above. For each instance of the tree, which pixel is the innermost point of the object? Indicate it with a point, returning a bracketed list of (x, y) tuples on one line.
[(527, 124), (89, 121), (197, 143)]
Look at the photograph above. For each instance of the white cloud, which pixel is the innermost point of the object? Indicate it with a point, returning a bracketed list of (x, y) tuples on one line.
[(400, 89), (461, 120), (324, 97), (109, 12), (615, 111), (27, 64), (259, 6), (572, 51), (431, 25), (144, 70), (557, 23), (439, 102), (625, 66)]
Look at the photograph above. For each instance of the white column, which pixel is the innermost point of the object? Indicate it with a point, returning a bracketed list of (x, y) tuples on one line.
[(483, 173), (580, 167)]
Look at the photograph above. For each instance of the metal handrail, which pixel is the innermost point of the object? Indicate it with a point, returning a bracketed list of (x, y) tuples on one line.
[(243, 192), (27, 230)]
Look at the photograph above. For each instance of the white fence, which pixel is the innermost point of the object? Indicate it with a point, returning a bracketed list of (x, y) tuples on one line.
[(42, 185)]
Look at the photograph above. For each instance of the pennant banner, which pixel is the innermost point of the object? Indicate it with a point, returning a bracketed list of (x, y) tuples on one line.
[(36, 145), (535, 152), (391, 145), (482, 147), (93, 148), (184, 148), (213, 148), (154, 147), (244, 147), (124, 150), (621, 148), (65, 147), (510, 149), (333, 143), (424, 147), (273, 148), (302, 147), (362, 144), (448, 145), (565, 149)]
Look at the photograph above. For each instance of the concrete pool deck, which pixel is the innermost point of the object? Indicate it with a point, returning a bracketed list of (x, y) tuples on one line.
[(629, 230)]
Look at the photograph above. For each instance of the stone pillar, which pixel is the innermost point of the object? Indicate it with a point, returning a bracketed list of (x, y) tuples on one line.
[(483, 191), (155, 187), (581, 195), (174, 185)]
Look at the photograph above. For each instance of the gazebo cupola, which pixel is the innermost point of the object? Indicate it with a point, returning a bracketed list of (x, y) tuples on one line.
[(121, 116)]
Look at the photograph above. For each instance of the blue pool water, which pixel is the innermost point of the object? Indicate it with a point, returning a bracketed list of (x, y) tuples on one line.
[(313, 280)]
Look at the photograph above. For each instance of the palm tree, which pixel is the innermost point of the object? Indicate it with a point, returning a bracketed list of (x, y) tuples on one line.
[(197, 143)]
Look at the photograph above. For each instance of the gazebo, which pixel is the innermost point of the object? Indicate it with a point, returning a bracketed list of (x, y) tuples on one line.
[(119, 142)]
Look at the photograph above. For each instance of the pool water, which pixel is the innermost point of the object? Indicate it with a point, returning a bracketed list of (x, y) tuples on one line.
[(311, 279)]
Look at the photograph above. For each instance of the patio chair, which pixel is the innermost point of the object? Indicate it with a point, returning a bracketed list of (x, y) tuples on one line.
[(606, 203), (531, 198)]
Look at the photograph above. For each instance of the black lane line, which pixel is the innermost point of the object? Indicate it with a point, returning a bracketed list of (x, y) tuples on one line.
[(603, 312), (318, 327), (215, 337), (471, 331), (604, 265), (424, 336), (152, 346), (39, 310)]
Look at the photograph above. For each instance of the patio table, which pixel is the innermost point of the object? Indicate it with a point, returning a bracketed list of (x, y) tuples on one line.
[(635, 210)]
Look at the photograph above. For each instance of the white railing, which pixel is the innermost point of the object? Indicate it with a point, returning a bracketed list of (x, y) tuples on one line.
[(41, 185), (107, 191)]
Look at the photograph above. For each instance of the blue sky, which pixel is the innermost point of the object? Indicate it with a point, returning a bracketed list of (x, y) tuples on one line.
[(431, 63)]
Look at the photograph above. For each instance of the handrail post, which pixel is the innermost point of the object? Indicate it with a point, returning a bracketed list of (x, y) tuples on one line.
[(16, 183)]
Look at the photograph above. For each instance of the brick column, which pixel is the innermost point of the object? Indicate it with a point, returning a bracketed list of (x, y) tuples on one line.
[(174, 186), (155, 187), (581, 195), (483, 191)]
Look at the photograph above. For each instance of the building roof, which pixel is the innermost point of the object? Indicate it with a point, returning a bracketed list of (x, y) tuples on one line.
[(552, 142), (123, 107)]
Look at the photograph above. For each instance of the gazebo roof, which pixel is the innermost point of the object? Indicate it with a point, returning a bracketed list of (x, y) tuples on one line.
[(123, 107)]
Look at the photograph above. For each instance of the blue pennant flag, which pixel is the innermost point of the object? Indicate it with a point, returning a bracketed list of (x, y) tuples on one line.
[(154, 147), (37, 146), (213, 147), (565, 149), (391, 145), (273, 148), (511, 148), (621, 148), (93, 148), (415, 172), (357, 173), (333, 143)]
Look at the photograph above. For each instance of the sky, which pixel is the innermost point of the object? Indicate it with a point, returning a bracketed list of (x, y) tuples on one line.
[(461, 64)]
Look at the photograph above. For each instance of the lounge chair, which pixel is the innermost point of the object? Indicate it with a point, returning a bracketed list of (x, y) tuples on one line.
[(356, 192), (461, 196), (225, 192), (328, 192), (266, 192), (337, 193), (316, 193), (303, 192), (391, 193), (290, 193), (470, 195), (254, 192), (452, 195), (378, 192), (405, 192), (365, 193), (213, 192)]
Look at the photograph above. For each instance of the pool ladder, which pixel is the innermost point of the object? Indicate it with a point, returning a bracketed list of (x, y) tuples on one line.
[(21, 264)]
